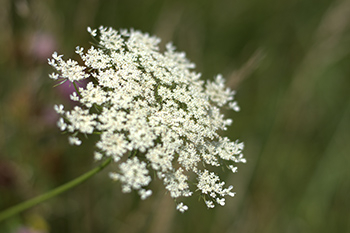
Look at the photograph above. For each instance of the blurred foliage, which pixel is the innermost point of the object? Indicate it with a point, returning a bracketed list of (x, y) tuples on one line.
[(289, 62)]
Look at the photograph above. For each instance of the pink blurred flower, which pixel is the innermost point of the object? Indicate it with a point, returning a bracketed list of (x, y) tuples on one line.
[(27, 230), (42, 46)]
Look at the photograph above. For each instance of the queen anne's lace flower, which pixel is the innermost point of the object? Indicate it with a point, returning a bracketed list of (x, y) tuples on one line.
[(151, 112)]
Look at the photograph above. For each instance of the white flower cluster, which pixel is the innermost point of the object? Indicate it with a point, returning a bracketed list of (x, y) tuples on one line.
[(151, 112)]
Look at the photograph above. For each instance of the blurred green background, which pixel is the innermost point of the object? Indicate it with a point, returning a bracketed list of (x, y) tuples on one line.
[(290, 64)]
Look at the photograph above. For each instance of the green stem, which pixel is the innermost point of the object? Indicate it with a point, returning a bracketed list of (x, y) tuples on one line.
[(76, 89), (36, 200)]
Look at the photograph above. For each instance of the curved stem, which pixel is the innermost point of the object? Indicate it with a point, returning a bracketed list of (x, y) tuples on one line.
[(37, 200), (76, 89)]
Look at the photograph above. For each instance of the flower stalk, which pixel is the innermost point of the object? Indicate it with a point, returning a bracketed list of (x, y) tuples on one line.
[(46, 196)]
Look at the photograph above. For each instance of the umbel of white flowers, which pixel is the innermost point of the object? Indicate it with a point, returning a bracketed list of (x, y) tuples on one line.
[(151, 112)]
